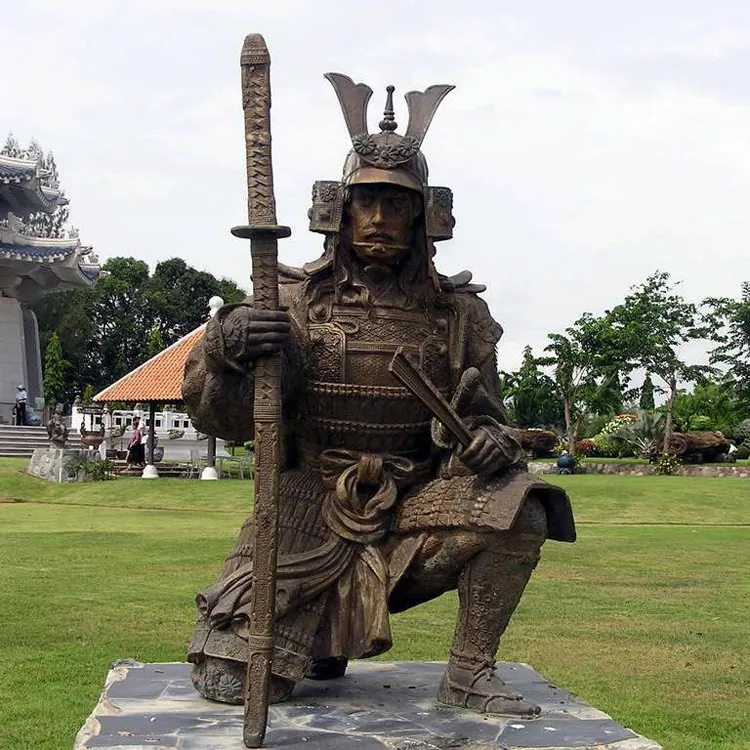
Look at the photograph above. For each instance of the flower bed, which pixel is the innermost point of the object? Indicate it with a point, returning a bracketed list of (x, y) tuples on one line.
[(641, 470)]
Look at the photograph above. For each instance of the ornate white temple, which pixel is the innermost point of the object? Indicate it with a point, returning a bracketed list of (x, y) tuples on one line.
[(31, 264)]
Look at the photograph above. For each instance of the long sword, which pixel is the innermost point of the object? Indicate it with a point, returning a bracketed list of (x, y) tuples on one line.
[(263, 232)]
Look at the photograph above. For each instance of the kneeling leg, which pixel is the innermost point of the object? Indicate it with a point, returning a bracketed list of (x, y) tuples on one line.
[(489, 590), (491, 571)]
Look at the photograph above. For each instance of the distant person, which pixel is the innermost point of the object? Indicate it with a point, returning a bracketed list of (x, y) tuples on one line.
[(151, 446), (136, 449), (21, 397), (732, 453)]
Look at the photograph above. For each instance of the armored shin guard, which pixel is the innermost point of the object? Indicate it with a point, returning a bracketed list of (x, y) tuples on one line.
[(489, 589)]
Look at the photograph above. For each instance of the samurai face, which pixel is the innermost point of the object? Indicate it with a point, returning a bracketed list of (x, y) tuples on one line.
[(382, 218)]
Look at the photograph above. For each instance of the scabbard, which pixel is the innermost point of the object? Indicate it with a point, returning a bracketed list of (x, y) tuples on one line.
[(267, 417)]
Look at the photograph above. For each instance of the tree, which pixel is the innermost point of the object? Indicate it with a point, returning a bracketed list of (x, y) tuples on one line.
[(728, 321), (532, 395), (155, 343), (587, 359), (127, 317), (103, 329), (53, 384), (121, 318), (178, 296), (714, 400), (646, 400), (68, 314), (655, 323)]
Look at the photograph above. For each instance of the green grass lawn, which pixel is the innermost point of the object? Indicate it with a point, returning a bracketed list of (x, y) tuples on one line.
[(646, 616)]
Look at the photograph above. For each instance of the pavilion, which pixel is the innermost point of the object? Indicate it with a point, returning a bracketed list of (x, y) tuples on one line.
[(159, 381), (31, 265)]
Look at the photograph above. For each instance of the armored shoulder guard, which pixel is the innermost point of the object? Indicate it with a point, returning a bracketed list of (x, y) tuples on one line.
[(291, 274), (460, 282)]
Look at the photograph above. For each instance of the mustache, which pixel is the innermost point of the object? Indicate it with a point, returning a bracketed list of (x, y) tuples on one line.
[(374, 234), (380, 244)]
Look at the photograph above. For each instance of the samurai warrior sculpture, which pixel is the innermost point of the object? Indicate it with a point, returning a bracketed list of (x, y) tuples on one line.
[(382, 507)]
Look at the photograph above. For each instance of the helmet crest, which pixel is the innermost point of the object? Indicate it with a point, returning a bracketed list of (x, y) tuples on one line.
[(387, 149), (385, 157)]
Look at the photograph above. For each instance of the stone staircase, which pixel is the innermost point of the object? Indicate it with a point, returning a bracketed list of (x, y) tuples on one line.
[(20, 442), (166, 470)]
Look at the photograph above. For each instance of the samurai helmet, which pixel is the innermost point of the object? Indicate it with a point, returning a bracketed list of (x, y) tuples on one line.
[(385, 157)]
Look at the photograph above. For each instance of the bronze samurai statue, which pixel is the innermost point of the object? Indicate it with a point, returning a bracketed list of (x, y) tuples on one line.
[(381, 508)]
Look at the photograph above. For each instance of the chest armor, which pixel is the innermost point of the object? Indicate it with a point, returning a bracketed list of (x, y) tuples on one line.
[(350, 399)]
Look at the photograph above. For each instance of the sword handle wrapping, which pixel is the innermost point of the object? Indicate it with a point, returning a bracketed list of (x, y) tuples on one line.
[(264, 251), (255, 64)]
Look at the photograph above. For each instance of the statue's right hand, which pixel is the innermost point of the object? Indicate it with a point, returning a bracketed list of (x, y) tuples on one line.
[(250, 333)]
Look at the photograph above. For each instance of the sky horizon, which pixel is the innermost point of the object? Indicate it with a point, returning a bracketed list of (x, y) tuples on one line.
[(586, 146)]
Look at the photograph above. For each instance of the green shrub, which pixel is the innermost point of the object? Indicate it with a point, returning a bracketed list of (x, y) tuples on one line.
[(700, 422), (742, 431), (615, 424), (593, 425), (97, 471), (743, 451), (560, 447), (605, 446), (585, 447), (643, 435), (667, 464)]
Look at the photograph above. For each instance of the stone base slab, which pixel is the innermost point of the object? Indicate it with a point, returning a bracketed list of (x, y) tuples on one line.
[(376, 706), (59, 464)]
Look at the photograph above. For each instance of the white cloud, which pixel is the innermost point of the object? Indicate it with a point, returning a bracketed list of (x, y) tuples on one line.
[(586, 145)]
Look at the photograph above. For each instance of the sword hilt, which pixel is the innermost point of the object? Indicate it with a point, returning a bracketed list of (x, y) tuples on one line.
[(255, 64), (264, 251), (412, 378)]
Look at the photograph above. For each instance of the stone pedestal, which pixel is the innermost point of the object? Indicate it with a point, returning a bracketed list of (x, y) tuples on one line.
[(209, 473), (57, 464), (150, 472), (377, 706)]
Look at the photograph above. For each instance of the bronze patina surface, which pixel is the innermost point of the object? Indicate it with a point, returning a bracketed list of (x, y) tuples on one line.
[(263, 232), (384, 501)]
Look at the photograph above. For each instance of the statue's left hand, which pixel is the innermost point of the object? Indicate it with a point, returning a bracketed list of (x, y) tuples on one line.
[(483, 455)]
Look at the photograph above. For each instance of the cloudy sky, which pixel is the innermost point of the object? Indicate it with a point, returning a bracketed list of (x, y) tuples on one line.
[(587, 143)]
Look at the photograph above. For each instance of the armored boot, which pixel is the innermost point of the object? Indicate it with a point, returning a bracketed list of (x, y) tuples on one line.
[(489, 589)]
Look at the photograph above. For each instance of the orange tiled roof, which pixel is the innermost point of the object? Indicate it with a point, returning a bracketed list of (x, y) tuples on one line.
[(158, 379)]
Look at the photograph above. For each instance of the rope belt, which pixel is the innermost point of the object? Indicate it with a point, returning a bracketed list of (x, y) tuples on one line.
[(363, 489)]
